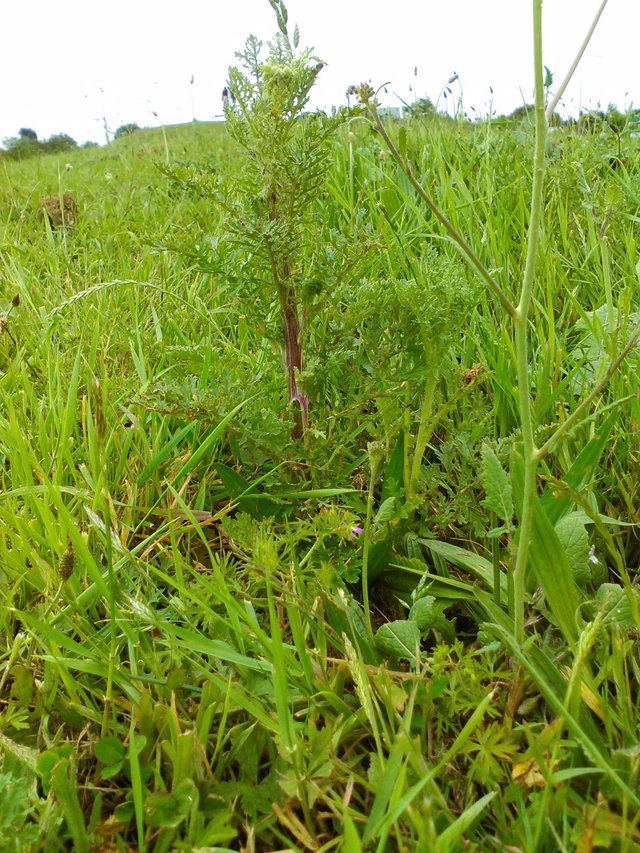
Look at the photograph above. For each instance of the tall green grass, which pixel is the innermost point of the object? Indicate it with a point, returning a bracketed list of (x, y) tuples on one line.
[(186, 661)]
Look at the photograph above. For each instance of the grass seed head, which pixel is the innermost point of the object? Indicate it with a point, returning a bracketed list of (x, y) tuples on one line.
[(67, 563)]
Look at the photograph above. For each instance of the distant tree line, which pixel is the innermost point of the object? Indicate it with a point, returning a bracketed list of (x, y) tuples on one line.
[(26, 143)]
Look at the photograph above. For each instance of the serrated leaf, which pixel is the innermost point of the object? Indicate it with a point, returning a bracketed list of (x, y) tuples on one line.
[(399, 639), (498, 493), (296, 36), (574, 539)]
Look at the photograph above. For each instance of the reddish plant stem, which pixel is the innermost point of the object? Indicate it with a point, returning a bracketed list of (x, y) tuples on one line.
[(293, 363)]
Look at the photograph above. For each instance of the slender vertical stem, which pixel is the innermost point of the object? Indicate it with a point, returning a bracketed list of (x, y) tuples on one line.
[(521, 328), (406, 435), (574, 64), (373, 462)]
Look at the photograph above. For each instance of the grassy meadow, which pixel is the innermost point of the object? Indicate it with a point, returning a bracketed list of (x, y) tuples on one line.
[(257, 604)]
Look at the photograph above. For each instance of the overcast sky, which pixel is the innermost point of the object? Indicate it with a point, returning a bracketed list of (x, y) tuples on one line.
[(72, 65)]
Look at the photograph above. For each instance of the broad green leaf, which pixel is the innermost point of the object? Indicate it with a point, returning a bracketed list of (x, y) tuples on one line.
[(498, 494), (428, 614), (110, 750), (22, 688), (399, 639), (618, 610), (386, 511), (574, 538), (380, 554)]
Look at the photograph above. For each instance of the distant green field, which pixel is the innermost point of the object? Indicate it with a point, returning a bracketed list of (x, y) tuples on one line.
[(218, 633)]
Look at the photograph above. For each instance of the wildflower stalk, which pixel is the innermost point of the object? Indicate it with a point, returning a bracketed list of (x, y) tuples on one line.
[(271, 207), (521, 329)]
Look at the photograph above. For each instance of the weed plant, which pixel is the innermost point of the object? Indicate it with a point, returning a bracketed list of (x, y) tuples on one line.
[(214, 636)]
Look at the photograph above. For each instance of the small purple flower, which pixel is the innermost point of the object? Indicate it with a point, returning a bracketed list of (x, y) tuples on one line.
[(355, 532)]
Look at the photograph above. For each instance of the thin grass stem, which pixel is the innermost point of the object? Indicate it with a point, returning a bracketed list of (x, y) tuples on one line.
[(556, 99)]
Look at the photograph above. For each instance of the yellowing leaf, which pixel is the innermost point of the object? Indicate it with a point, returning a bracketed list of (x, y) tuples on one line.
[(528, 773)]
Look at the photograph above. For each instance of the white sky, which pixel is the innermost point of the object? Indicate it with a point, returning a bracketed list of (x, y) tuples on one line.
[(67, 66)]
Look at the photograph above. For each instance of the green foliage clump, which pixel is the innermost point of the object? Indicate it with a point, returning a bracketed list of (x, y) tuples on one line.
[(126, 130), (18, 798), (414, 320), (27, 144), (421, 108)]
